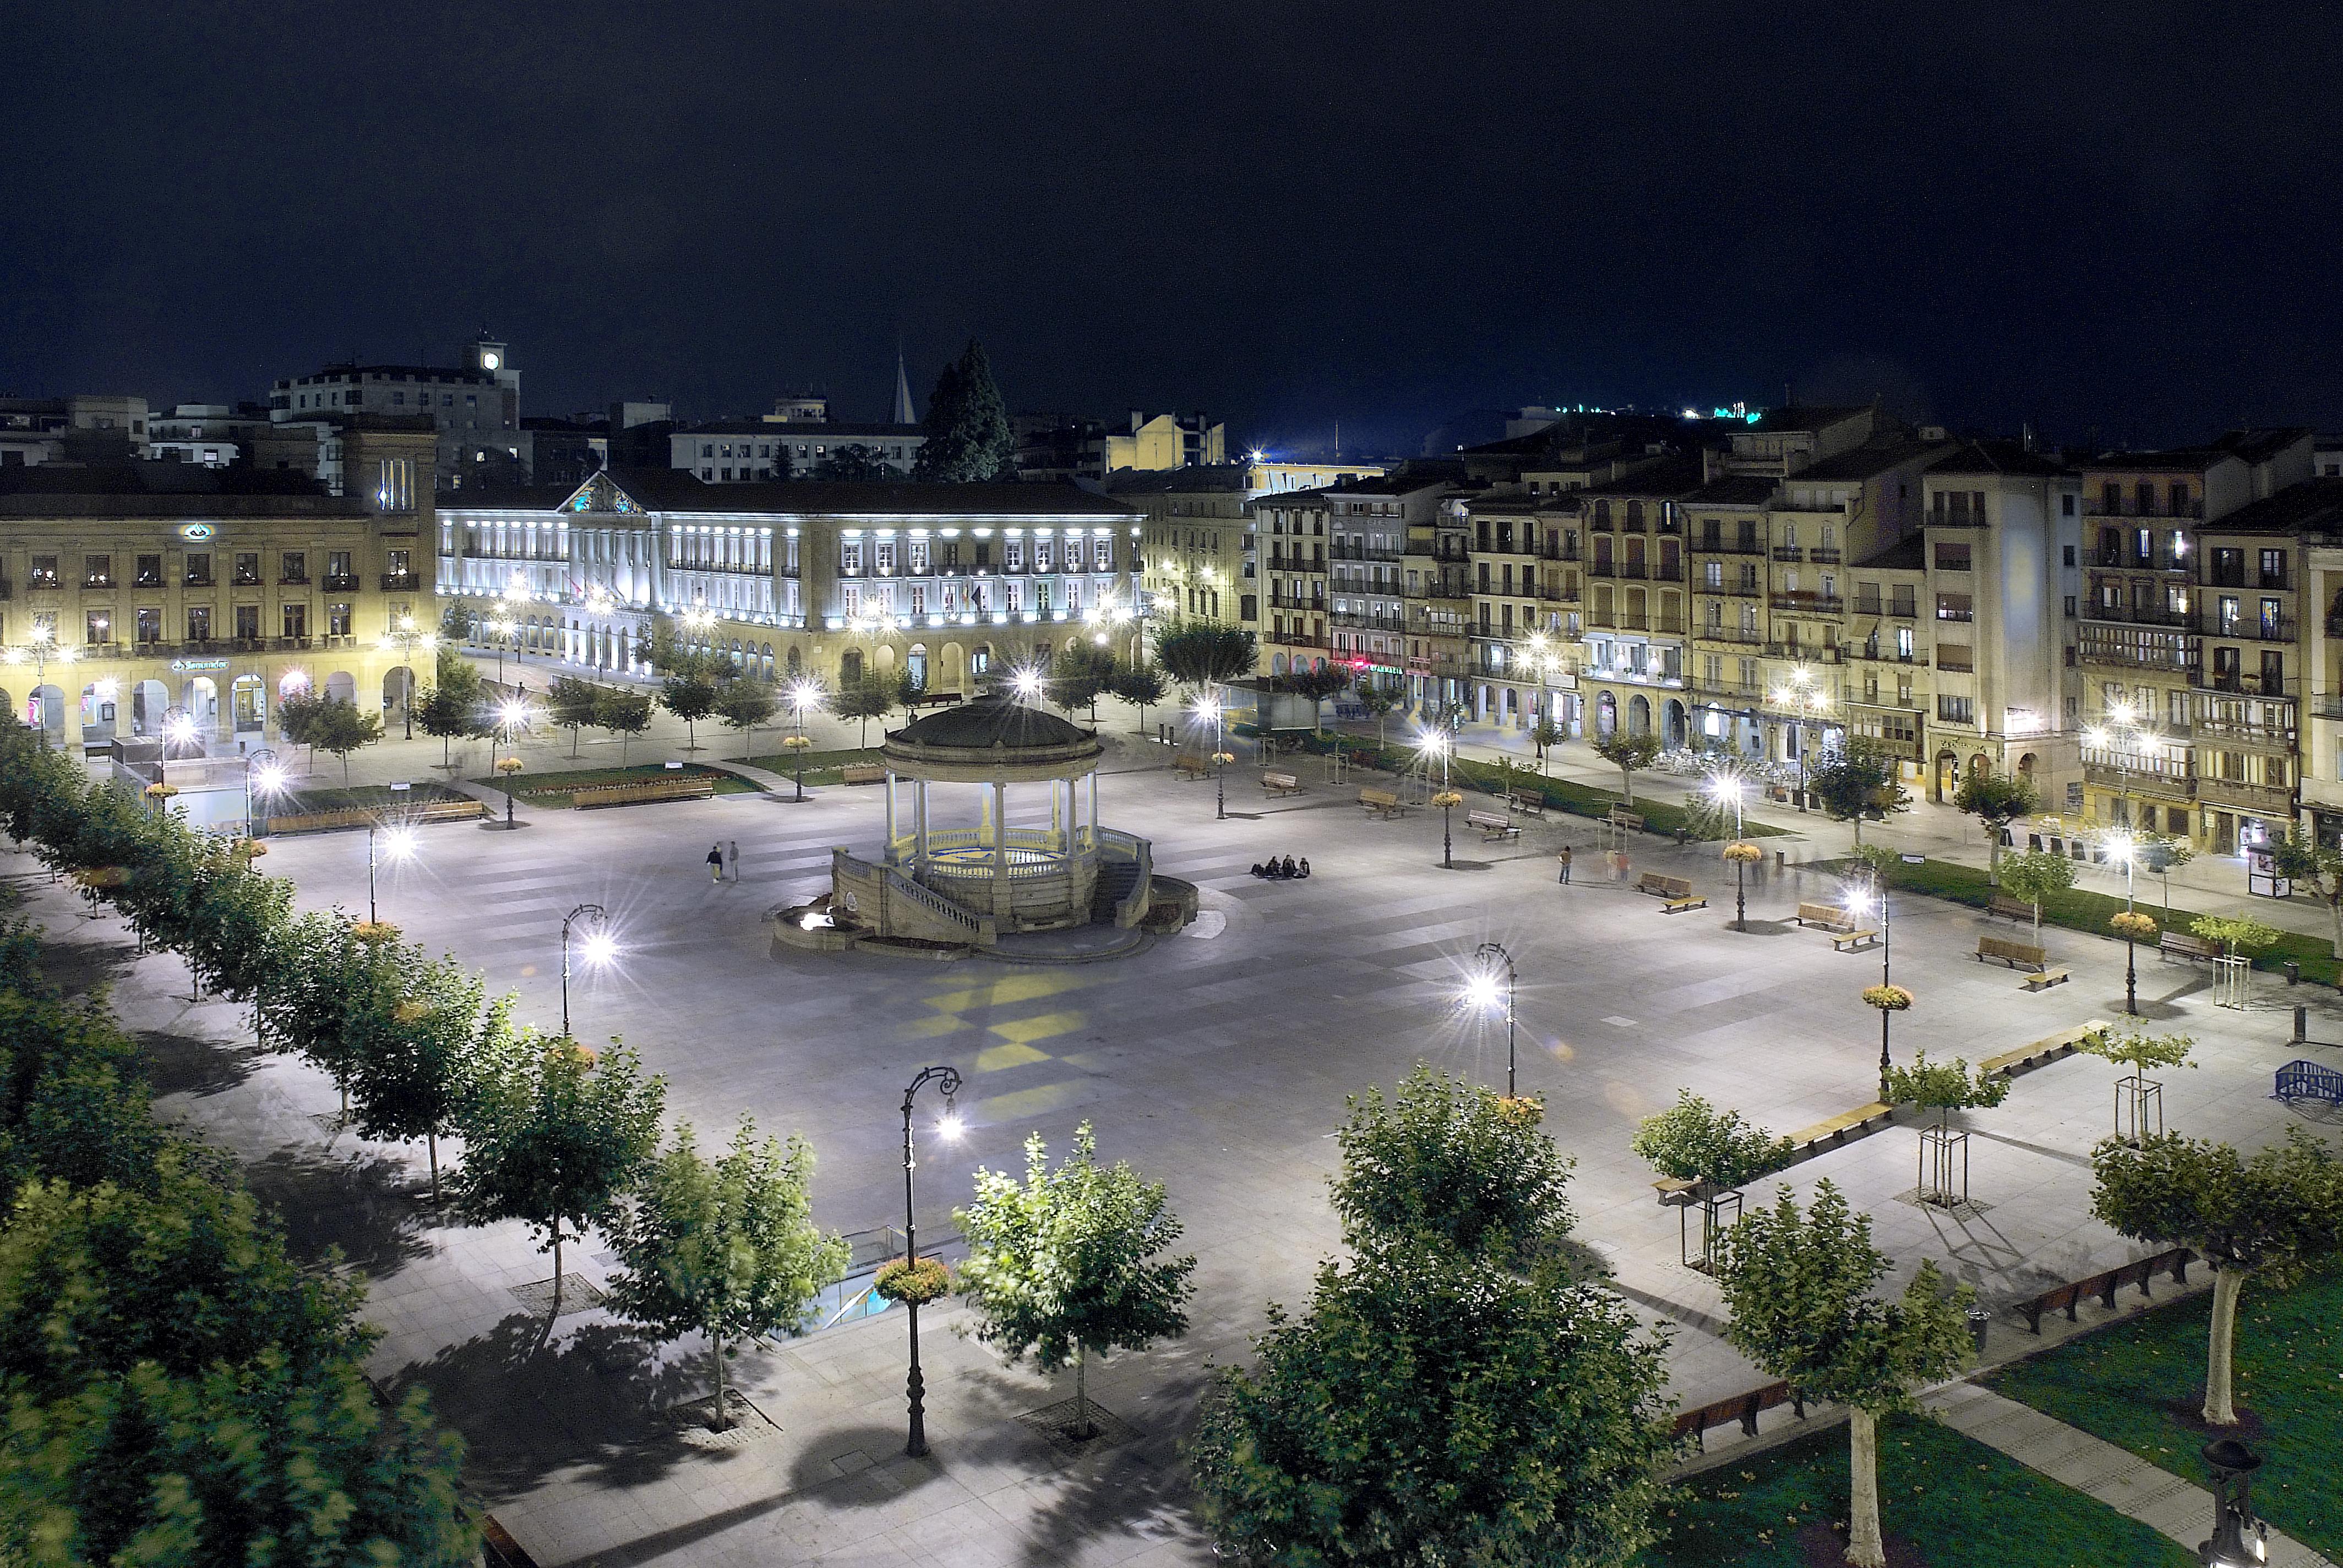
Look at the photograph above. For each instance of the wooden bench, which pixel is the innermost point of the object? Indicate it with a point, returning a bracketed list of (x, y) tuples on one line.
[(690, 788), (933, 700), (863, 773), (2180, 944), (1661, 887), (2066, 1298), (1744, 1408), (2010, 909), (2014, 954), (1830, 916), (1494, 826), (1675, 1192), (2049, 1048), (1848, 941), (1678, 905), (1383, 803), (1833, 1129), (1622, 818), (1192, 768), (367, 817), (1280, 784), (1528, 802), (2043, 980)]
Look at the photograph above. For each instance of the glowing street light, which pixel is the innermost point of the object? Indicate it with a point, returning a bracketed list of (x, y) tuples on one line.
[(1209, 710), (1860, 901), (1027, 684), (407, 636), (949, 1128), (261, 777), (598, 948), (397, 847), (42, 647), (1490, 987), (1809, 701), (804, 692)]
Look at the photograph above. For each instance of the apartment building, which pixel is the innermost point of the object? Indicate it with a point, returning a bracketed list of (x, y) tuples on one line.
[(752, 451), (1193, 537), (1289, 539), (1637, 620), (1526, 605), (474, 408), (1727, 528), (2318, 523), (1366, 591)]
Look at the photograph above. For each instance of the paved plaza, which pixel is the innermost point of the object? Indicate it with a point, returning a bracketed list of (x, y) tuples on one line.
[(1217, 1061)]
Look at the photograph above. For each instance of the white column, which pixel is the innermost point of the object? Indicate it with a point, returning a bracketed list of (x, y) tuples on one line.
[(919, 823), (890, 816), (1093, 806), (1000, 850)]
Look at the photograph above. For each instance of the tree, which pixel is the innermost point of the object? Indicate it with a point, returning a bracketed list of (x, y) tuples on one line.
[(572, 704), (2301, 857), (326, 981), (1996, 800), (339, 728), (625, 714), (1691, 1142), (1856, 783), (2033, 875), (1203, 654), (458, 621), (2237, 935), (726, 1248), (1318, 684), (2156, 852), (967, 428), (1066, 1265), (689, 694), (1428, 1409), (746, 703), (1454, 1166), (452, 707), (1077, 676), (2264, 1214), (866, 699), (554, 1135), (2128, 1045), (1627, 753), (853, 463), (1378, 700), (414, 1065), (1142, 685), (1943, 1087), (1544, 735), (1798, 1287)]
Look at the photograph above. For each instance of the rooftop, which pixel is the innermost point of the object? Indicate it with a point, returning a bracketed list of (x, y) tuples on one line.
[(166, 490), (1213, 478), (2313, 506), (658, 489), (798, 429), (1997, 458), (1819, 416), (1732, 490), (1668, 480), (1872, 458)]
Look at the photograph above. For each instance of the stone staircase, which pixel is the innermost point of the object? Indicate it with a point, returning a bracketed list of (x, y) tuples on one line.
[(1116, 877)]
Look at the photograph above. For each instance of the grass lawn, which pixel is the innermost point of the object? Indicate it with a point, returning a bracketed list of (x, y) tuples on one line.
[(820, 767), (2136, 1383), (553, 789), (2086, 911), (307, 801), (1958, 1503)]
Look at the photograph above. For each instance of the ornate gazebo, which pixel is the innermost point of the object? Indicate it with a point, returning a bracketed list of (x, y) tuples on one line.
[(950, 880)]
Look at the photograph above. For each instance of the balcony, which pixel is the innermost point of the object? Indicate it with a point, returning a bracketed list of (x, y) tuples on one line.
[(1808, 603), (1918, 658), (1735, 590), (2098, 508), (400, 582), (2237, 732), (300, 581), (97, 582), (1732, 634), (1790, 553), (2286, 628), (1807, 653), (246, 579), (1823, 558), (2124, 615), (2120, 561), (2262, 800), (2327, 704), (206, 580), (341, 582), (2150, 777), (1719, 548)]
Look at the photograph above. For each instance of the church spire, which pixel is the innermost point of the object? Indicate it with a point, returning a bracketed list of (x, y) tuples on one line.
[(903, 415)]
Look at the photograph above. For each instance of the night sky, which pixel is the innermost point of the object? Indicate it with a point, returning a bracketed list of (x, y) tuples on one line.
[(2119, 219)]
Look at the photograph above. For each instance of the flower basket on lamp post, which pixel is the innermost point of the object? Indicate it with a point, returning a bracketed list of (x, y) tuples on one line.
[(1743, 856), (2134, 928), (914, 1281), (1445, 800), (508, 766), (798, 745), (1887, 998)]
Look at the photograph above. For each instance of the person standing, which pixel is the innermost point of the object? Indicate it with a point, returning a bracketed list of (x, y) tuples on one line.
[(732, 859), (1561, 859), (715, 862)]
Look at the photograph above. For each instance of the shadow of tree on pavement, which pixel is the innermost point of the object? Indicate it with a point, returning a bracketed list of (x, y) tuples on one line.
[(366, 1205)]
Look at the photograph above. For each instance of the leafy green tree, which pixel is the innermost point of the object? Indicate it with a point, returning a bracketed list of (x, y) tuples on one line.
[(2033, 875), (726, 1248), (340, 727), (74, 1104), (271, 1461), (1077, 676), (1204, 654), (967, 428), (1067, 1263), (1378, 700), (326, 980), (554, 1137), (1799, 1288), (2162, 855), (233, 916), (572, 704), (2317, 865), (1691, 1141), (2265, 1214), (1629, 754), (1996, 800), (1856, 783), (1327, 680), (2128, 1045), (1943, 1087), (459, 621), (1454, 1167), (854, 463), (1429, 1408), (2237, 935), (456, 704), (1544, 735), (690, 695), (866, 699), (746, 703), (416, 1063), (625, 714), (1141, 685)]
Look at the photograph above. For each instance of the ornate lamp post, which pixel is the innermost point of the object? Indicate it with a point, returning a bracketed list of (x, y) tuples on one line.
[(42, 647), (1482, 991), (1209, 710), (1439, 743), (803, 693), (1808, 701), (261, 777), (598, 948), (2122, 733), (398, 846), (407, 636), (1859, 904), (2239, 1540), (504, 626), (947, 1078)]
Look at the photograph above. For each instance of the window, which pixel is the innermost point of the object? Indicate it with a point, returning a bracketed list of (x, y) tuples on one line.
[(95, 626), (1955, 710), (247, 623), (1713, 574), (849, 557), (882, 556), (337, 569), (150, 625), (338, 620), (1012, 555), (199, 568), (1043, 554), (2228, 615), (150, 571), (919, 555), (1954, 607), (296, 620), (400, 563), (297, 565), (1904, 642), (45, 571), (247, 568), (1102, 553), (199, 623), (2070, 607), (1952, 557), (2273, 568), (2273, 619)]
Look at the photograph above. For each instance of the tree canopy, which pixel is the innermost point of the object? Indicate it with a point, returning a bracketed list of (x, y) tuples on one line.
[(1996, 800), (1691, 1141), (1451, 1166), (1204, 653), (969, 436), (1628, 753), (1856, 782)]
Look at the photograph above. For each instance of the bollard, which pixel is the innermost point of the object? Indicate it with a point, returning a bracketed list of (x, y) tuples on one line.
[(2301, 1025), (1781, 860), (2293, 972), (1978, 1318)]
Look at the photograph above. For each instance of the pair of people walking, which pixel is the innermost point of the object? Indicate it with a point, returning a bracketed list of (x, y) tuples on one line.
[(722, 858)]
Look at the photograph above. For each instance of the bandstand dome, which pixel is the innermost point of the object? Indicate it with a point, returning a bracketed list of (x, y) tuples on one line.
[(992, 736)]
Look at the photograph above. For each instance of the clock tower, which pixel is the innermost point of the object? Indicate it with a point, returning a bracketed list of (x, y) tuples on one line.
[(489, 354)]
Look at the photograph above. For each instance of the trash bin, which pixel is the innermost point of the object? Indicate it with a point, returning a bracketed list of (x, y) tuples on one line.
[(2293, 972), (1978, 1318)]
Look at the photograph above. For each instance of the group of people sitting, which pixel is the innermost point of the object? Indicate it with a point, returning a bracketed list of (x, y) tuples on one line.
[(1282, 870)]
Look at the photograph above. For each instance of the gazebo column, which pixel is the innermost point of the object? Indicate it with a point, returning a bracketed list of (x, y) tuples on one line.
[(919, 824), (1001, 851), (890, 816), (1093, 806)]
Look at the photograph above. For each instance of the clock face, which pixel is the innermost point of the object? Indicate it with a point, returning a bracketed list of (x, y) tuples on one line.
[(490, 361)]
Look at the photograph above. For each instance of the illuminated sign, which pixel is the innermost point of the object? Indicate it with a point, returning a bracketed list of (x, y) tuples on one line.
[(194, 531), (197, 666)]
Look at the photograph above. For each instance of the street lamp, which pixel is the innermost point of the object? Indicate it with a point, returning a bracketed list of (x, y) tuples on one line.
[(2124, 731), (2233, 1464), (1210, 711), (503, 626), (398, 846), (1859, 904), (1027, 684), (407, 636), (179, 729), (949, 1125), (1482, 991), (2126, 848), (598, 948), (1439, 743), (1808, 701), (804, 693), (1727, 789), (261, 777)]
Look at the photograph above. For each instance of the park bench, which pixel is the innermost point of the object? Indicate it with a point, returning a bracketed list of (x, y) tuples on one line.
[(2014, 954), (863, 773), (1847, 942), (1192, 768), (933, 700), (2049, 1048), (1494, 826), (1622, 818), (1528, 802), (1383, 803), (2044, 979), (1678, 905), (2011, 910), (1830, 916), (1675, 1192), (1661, 887), (698, 787), (1280, 784), (2066, 1298), (366, 816), (1744, 1408), (1835, 1128), (2180, 944)]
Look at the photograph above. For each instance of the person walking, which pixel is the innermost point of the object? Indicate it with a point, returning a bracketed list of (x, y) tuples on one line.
[(732, 859), (715, 862), (1561, 859)]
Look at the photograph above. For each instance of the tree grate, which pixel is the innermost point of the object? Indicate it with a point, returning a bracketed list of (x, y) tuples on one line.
[(1055, 1425), (579, 1294)]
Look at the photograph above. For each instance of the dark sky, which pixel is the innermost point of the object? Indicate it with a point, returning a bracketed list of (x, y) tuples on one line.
[(2120, 217)]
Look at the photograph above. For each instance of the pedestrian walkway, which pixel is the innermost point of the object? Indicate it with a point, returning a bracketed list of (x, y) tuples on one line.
[(2124, 1482)]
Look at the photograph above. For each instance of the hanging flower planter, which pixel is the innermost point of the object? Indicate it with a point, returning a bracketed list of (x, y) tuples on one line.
[(375, 931), (1448, 797), (161, 792), (508, 766), (913, 1283), (1225, 758), (1743, 853), (102, 877), (1887, 998), (410, 1011), (2133, 926), (1526, 1110), (247, 848), (797, 742)]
